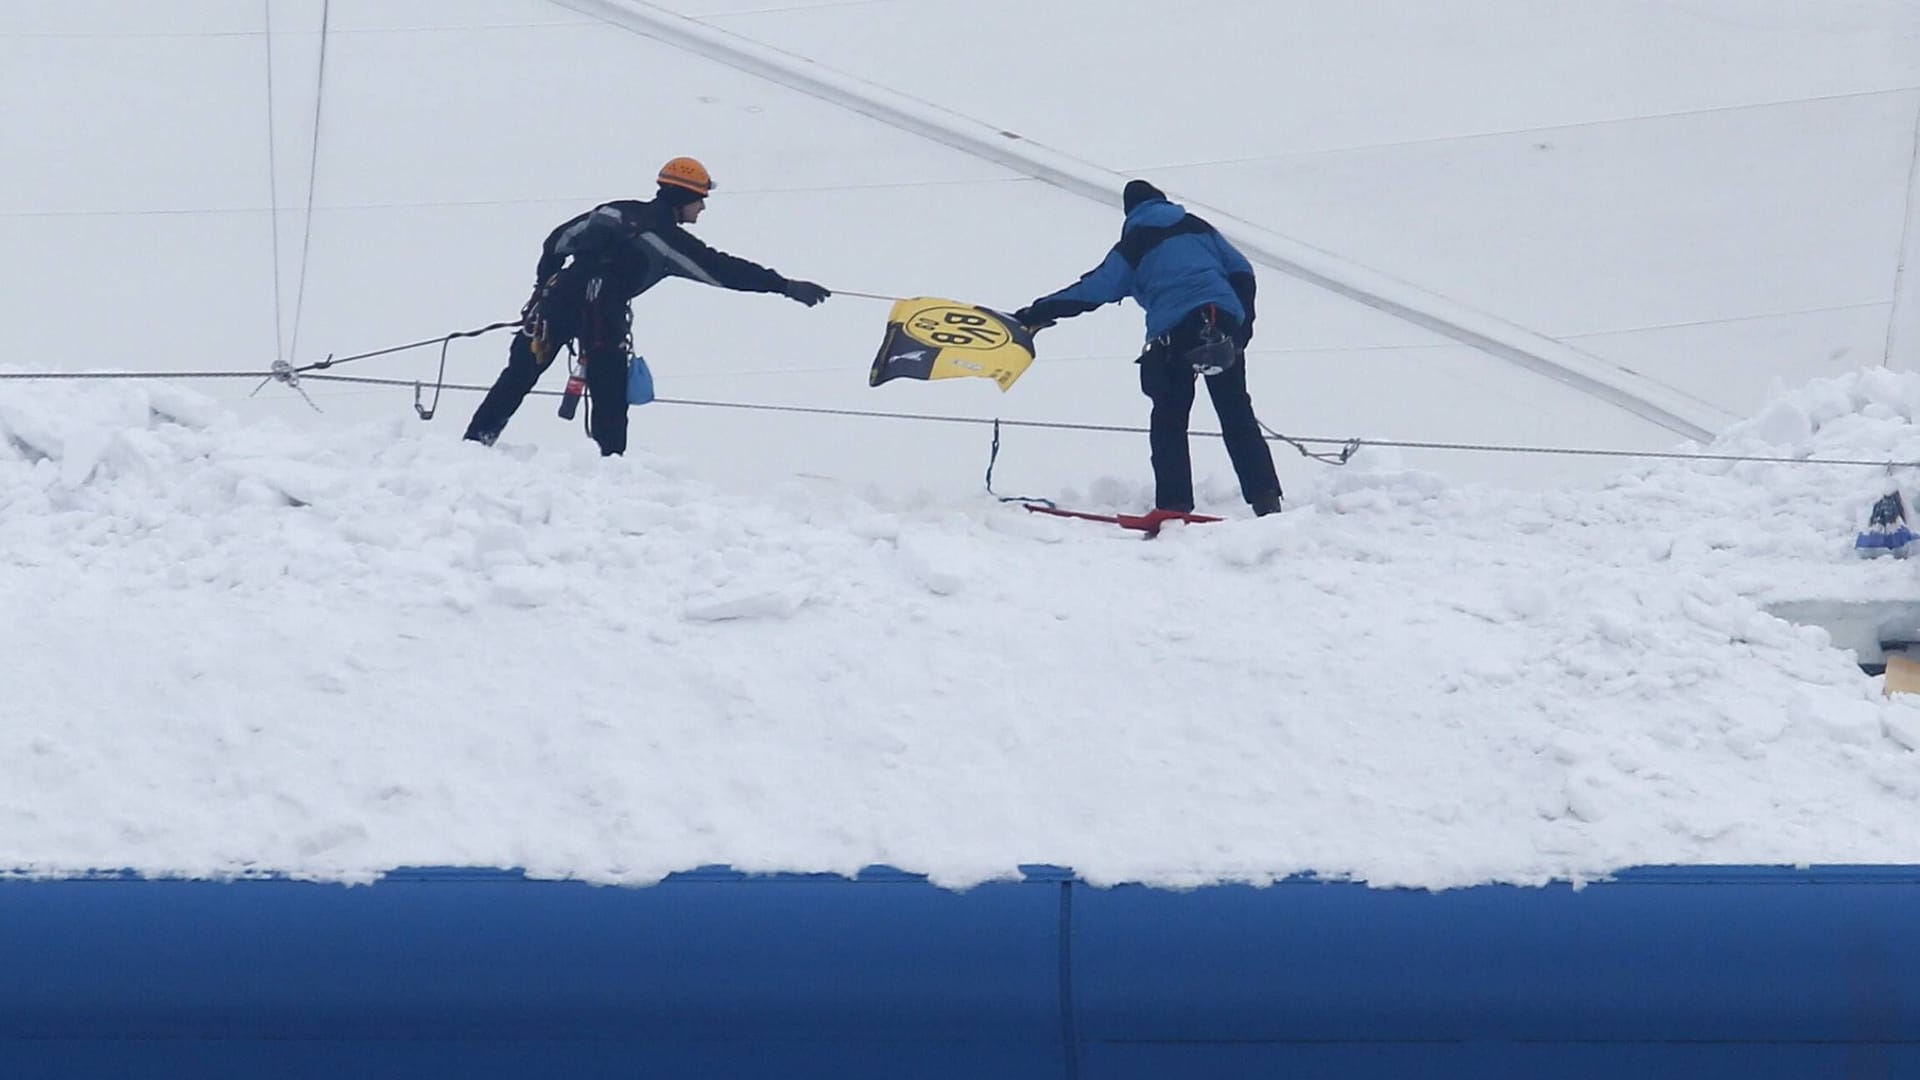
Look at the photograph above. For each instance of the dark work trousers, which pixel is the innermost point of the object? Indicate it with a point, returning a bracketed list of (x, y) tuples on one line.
[(578, 310), (1167, 377)]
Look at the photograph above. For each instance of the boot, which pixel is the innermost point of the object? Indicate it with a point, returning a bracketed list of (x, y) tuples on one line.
[(1266, 504)]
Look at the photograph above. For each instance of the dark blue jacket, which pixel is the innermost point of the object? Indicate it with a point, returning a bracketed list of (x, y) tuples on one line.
[(635, 245), (1170, 262)]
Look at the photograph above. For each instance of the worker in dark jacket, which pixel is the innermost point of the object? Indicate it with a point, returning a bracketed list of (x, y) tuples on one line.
[(1197, 290), (590, 269)]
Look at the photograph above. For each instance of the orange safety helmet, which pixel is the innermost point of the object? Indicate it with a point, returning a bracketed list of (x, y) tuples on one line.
[(685, 172)]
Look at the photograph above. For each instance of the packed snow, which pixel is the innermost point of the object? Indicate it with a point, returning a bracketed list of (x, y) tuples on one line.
[(237, 648)]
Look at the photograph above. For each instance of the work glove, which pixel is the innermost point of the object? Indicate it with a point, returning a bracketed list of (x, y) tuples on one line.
[(806, 292), (1032, 323)]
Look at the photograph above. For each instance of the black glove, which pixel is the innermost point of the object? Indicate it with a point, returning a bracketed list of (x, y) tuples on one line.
[(806, 292), (1033, 324)]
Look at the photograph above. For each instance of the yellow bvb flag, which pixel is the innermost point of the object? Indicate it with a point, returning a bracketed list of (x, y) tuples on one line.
[(930, 338)]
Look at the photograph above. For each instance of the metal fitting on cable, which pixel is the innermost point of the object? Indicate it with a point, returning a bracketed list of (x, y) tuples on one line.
[(284, 372)]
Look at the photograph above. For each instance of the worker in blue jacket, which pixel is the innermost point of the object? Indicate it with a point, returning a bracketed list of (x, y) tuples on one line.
[(1197, 290)]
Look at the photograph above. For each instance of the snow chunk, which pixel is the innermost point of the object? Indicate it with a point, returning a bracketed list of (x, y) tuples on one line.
[(748, 602)]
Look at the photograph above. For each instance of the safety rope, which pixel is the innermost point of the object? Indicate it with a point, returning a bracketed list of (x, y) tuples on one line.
[(288, 374), (440, 378), (57, 376), (1329, 457), (336, 361), (1346, 448), (993, 455), (273, 186), (313, 175), (283, 372)]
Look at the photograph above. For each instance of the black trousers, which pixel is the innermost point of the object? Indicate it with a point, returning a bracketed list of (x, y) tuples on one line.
[(578, 309), (1167, 378)]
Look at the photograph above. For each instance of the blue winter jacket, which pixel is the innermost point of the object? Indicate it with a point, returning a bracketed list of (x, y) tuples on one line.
[(1170, 262)]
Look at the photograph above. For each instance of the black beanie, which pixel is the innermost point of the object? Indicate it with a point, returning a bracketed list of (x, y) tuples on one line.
[(1137, 192), (675, 195)]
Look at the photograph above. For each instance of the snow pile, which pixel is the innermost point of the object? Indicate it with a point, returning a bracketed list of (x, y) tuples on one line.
[(233, 648)]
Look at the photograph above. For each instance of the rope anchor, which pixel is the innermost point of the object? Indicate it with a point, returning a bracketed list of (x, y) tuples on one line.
[(283, 372)]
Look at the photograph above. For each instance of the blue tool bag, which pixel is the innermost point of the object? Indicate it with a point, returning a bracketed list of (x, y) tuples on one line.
[(639, 381)]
